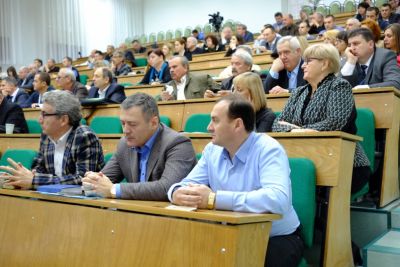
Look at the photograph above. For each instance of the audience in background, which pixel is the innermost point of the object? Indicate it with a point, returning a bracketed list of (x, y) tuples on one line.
[(304, 29), (12, 72), (137, 47), (41, 85), (129, 57), (38, 64), (387, 14), (226, 35), (376, 31), (352, 23), (159, 71), (236, 40), (180, 49), (118, 64), (329, 36), (51, 67), (373, 14), (392, 39), (317, 23), (341, 44), (227, 72), (104, 87), (11, 113), (241, 29), (67, 81), (109, 53), (168, 50), (25, 78), (191, 46), (362, 11), (270, 38), (289, 27), (212, 44), (278, 25), (67, 63), (13, 93), (329, 24)]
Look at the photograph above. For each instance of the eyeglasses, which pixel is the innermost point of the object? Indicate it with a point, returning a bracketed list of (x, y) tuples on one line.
[(310, 59), (44, 114)]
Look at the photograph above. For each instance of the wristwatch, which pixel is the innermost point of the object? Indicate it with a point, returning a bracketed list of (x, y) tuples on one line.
[(113, 191), (211, 201)]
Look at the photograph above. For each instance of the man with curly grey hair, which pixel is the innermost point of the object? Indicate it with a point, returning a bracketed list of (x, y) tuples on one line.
[(67, 149)]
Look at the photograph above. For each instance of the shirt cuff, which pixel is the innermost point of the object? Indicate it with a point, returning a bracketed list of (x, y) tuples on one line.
[(224, 200), (118, 190), (172, 190), (347, 69), (274, 74)]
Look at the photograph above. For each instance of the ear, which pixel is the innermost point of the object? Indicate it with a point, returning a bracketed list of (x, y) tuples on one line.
[(154, 122), (238, 124), (64, 120)]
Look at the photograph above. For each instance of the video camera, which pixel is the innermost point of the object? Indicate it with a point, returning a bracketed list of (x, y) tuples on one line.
[(216, 21)]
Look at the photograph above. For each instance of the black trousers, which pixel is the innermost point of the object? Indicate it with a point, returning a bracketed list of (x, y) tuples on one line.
[(285, 250)]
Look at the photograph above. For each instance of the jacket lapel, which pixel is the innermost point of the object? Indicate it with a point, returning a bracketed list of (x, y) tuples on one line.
[(154, 154)]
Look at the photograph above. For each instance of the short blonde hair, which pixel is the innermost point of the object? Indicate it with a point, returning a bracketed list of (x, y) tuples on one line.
[(331, 34), (325, 51), (252, 82)]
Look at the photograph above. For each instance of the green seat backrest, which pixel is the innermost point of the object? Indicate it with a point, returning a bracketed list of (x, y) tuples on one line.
[(107, 157), (83, 121), (187, 32), (34, 126), (84, 78), (160, 36), (322, 9), (308, 9), (141, 62), (126, 84), (169, 35), (198, 156), (277, 113), (178, 33), (303, 178), (365, 123), (335, 7), (24, 156), (106, 125), (197, 123), (349, 6), (164, 119)]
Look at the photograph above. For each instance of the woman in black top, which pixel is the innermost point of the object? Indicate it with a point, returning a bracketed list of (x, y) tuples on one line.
[(158, 71)]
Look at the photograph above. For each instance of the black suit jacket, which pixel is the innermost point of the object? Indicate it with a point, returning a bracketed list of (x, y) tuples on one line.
[(114, 94), (26, 83), (20, 98), (283, 80), (34, 98), (12, 113)]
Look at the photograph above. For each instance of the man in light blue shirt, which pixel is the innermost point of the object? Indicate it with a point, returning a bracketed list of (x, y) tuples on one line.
[(244, 171)]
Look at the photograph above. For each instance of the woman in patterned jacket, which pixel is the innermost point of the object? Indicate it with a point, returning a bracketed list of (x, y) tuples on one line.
[(325, 103)]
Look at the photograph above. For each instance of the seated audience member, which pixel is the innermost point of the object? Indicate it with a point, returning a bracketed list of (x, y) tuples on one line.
[(236, 40), (66, 80), (14, 94), (341, 44), (387, 14), (41, 85), (109, 53), (227, 72), (150, 156), (304, 29), (329, 36), (278, 25), (191, 46), (158, 71), (67, 150), (168, 50), (25, 78), (241, 29), (137, 47), (286, 73), (303, 16), (271, 38), (12, 72), (329, 23), (105, 88), (392, 40), (373, 13), (185, 85), (91, 57), (99, 60), (129, 57), (198, 35), (352, 23), (180, 49), (361, 11), (376, 31), (369, 66), (244, 171), (241, 61), (250, 86), (394, 5), (39, 64), (325, 103), (289, 28), (212, 44), (51, 67), (226, 35), (317, 23), (13, 114), (67, 63), (118, 64)]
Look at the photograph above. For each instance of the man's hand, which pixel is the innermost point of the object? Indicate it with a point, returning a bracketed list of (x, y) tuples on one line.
[(351, 58), (19, 176), (278, 90), (277, 65), (98, 183), (165, 96), (192, 196)]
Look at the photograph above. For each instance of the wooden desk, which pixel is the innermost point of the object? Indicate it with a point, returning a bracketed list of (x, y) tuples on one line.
[(223, 62), (132, 78), (152, 90), (385, 104), (221, 55), (40, 230)]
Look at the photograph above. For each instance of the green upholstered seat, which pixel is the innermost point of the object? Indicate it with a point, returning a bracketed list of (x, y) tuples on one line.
[(164, 119), (106, 125), (197, 123), (34, 126), (24, 156), (141, 62)]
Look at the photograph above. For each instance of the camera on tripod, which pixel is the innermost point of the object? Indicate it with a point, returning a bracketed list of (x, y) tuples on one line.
[(216, 21)]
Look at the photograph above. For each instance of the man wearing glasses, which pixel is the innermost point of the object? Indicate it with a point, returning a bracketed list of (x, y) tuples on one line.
[(67, 149), (67, 81)]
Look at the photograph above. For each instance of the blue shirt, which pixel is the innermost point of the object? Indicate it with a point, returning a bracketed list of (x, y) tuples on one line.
[(292, 77), (143, 154), (255, 180)]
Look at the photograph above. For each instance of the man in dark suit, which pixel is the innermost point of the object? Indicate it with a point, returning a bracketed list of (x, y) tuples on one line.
[(41, 85), (368, 66), (185, 85), (150, 156), (67, 81), (271, 39), (67, 63), (241, 29), (13, 114), (104, 87), (286, 73), (387, 14), (14, 94), (25, 78), (289, 28)]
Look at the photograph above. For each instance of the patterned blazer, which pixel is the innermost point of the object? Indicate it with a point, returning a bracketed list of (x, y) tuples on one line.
[(331, 108), (83, 152)]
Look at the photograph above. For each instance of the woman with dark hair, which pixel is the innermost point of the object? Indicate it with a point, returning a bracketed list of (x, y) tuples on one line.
[(392, 39), (341, 44), (180, 49), (158, 71), (235, 41), (212, 44), (12, 72)]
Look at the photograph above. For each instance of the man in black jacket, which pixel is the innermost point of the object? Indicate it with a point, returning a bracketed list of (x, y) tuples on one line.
[(13, 114)]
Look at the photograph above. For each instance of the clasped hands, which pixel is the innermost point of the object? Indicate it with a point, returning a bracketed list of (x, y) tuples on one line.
[(193, 195), (17, 176), (96, 183)]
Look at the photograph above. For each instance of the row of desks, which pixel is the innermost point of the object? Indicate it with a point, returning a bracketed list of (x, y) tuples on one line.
[(337, 148)]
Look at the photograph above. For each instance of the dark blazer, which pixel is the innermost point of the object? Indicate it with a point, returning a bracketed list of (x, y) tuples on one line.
[(79, 90), (248, 37), (129, 57), (382, 71), (187, 54), (166, 76), (54, 69), (114, 94), (76, 72), (196, 51), (226, 84), (34, 98), (273, 46), (195, 87), (12, 113), (171, 159), (264, 119), (218, 48), (289, 30), (20, 98), (26, 83), (283, 80)]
